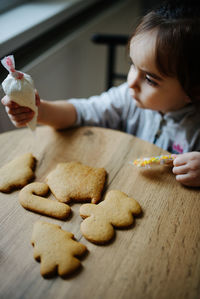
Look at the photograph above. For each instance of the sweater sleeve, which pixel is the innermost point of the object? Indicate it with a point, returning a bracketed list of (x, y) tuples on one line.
[(106, 110)]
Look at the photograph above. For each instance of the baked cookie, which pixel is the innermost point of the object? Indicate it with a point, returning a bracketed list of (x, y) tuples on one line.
[(55, 249), (17, 173), (116, 210), (77, 182), (31, 198)]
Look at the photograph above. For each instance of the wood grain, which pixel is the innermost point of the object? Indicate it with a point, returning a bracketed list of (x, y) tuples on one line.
[(156, 258)]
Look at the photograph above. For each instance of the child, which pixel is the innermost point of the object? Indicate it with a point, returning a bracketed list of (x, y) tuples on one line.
[(160, 101)]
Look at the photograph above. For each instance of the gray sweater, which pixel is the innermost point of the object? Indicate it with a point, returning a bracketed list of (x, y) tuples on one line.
[(176, 131)]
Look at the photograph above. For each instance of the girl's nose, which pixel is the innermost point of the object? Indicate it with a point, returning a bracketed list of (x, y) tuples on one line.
[(133, 78)]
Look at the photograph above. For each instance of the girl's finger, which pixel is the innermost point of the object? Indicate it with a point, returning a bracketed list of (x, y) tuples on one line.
[(19, 110), (183, 169), (188, 180), (22, 117), (7, 102), (184, 179), (20, 124), (37, 98), (179, 160)]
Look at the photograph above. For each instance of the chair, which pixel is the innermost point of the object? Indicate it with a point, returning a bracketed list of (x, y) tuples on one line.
[(112, 41)]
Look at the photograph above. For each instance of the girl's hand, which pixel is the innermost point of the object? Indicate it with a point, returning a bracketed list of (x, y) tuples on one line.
[(187, 168), (19, 115)]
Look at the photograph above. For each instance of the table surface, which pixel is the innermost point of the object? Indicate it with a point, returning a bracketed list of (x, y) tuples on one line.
[(156, 258)]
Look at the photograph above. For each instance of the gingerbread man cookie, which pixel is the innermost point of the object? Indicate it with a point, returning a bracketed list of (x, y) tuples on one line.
[(116, 210)]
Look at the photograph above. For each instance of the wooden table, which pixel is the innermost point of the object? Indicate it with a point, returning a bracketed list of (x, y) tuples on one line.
[(157, 258)]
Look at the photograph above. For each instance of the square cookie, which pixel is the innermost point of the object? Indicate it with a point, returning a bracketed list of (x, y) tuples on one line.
[(73, 181)]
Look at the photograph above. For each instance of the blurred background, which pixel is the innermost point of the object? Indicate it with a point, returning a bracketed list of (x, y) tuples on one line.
[(53, 42)]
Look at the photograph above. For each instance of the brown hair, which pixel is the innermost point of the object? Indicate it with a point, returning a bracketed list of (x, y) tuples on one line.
[(178, 41)]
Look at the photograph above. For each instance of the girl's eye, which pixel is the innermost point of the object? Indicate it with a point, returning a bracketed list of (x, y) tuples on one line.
[(150, 81)]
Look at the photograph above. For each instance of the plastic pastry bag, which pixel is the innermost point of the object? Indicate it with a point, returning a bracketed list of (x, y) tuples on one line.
[(20, 88)]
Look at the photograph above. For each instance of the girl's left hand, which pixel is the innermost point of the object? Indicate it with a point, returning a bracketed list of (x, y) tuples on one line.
[(187, 169)]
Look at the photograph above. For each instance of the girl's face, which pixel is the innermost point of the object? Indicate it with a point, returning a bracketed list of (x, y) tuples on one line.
[(148, 87)]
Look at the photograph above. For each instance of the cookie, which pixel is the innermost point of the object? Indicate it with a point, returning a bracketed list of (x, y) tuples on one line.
[(77, 182), (17, 173), (55, 249), (31, 198), (116, 210)]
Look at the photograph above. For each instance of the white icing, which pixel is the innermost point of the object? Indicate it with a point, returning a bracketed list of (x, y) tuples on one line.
[(22, 92)]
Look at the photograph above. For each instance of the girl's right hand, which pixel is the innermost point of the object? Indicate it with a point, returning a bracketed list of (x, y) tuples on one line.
[(19, 115)]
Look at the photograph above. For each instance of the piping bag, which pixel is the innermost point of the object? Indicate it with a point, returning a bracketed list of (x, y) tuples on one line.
[(20, 88), (151, 161)]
